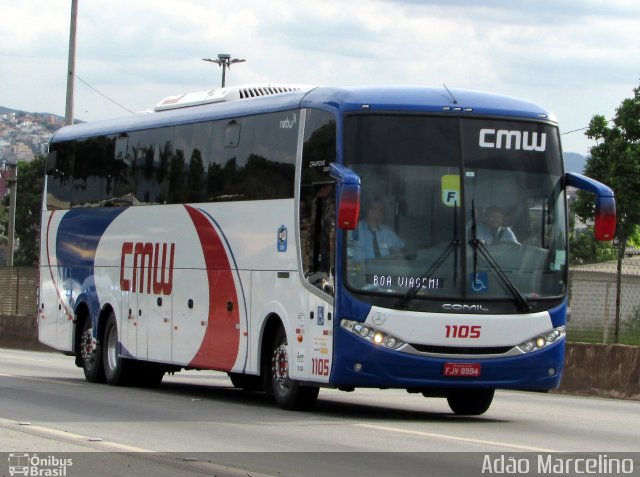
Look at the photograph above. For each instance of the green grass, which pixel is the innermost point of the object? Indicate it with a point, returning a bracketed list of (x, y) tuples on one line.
[(627, 337)]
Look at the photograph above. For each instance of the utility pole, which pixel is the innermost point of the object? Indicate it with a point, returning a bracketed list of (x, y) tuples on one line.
[(225, 61), (71, 70), (13, 189)]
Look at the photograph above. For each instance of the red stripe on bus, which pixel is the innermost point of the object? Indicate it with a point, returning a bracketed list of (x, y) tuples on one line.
[(219, 347)]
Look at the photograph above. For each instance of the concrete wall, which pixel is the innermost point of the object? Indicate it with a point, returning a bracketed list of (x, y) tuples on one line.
[(602, 370), (20, 332), (590, 369)]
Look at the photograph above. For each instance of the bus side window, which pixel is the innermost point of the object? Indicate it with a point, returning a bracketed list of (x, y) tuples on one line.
[(93, 172), (120, 174), (317, 201), (59, 178), (232, 134)]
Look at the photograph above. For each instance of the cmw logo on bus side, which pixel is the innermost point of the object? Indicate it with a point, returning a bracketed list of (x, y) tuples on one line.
[(503, 139)]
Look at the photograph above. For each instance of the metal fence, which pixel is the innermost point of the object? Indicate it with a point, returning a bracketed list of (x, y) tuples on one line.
[(18, 291), (593, 303), (592, 300)]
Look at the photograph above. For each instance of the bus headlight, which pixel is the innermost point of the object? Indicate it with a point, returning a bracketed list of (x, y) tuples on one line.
[(542, 341), (372, 335)]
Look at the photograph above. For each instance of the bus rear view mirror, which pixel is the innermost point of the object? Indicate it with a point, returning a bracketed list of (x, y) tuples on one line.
[(348, 206), (348, 196), (605, 216), (605, 219)]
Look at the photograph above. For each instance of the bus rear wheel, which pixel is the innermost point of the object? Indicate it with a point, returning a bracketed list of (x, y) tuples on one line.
[(90, 355), (117, 370), (287, 393), (469, 402)]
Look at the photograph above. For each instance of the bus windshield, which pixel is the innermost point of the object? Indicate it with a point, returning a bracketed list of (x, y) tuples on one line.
[(456, 209)]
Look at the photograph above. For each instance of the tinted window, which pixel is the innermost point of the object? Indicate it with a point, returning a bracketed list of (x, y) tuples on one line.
[(247, 158), (152, 159), (317, 200), (253, 158), (59, 183)]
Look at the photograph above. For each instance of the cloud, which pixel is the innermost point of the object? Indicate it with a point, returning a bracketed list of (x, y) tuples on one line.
[(575, 57)]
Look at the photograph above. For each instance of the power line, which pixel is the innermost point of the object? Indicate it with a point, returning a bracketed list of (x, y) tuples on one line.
[(575, 130), (581, 129), (102, 94)]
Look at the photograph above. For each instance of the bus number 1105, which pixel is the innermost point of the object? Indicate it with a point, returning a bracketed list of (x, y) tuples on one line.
[(463, 331)]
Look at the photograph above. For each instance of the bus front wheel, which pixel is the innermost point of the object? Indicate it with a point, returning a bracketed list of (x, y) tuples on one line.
[(469, 402), (287, 393)]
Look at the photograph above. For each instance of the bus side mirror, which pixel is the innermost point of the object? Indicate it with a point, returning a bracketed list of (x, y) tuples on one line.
[(348, 206), (605, 226), (605, 216), (348, 196)]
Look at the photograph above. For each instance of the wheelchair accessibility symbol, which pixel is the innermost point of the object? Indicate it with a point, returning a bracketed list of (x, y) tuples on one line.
[(479, 282)]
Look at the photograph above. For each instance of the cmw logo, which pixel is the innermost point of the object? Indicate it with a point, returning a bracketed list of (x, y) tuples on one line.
[(520, 140)]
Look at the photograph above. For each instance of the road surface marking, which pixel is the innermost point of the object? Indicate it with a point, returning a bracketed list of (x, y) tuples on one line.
[(30, 378), (456, 438)]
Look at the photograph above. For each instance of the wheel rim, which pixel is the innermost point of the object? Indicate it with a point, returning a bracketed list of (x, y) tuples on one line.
[(112, 344), (87, 350), (280, 369)]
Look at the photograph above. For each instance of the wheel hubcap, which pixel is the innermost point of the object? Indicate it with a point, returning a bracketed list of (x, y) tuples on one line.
[(111, 349), (280, 365), (86, 346)]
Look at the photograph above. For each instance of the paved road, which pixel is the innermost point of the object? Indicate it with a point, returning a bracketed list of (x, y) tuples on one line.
[(196, 423)]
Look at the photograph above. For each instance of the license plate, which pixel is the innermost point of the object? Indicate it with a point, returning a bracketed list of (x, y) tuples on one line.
[(462, 370)]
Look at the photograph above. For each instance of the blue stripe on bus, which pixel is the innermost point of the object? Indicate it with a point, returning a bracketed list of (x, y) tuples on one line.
[(77, 240)]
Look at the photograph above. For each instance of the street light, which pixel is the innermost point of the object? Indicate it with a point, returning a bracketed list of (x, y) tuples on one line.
[(224, 60)]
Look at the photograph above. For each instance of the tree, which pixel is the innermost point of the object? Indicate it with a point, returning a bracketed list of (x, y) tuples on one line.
[(615, 161), (585, 249), (29, 203)]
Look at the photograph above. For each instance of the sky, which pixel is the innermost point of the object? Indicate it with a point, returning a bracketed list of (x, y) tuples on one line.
[(576, 58)]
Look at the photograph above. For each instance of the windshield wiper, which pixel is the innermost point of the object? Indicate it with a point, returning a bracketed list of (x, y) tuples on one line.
[(453, 247), (479, 245)]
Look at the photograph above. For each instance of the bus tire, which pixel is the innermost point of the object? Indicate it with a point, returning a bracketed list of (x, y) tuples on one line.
[(90, 357), (288, 394), (118, 371), (469, 402)]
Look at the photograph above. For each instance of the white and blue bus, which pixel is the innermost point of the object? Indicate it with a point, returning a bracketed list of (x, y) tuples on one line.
[(307, 237)]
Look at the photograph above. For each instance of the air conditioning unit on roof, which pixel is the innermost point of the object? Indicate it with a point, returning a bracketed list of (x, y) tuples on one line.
[(231, 93)]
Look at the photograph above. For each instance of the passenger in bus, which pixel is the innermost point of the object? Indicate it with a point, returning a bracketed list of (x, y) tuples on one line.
[(373, 238), (491, 231)]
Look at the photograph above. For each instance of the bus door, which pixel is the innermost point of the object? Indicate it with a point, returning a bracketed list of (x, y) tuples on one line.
[(129, 323), (67, 288), (318, 246), (158, 318), (55, 314)]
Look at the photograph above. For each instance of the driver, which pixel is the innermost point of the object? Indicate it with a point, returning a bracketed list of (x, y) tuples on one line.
[(375, 239), (491, 231)]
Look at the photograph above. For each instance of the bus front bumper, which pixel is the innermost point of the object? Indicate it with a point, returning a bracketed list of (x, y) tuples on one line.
[(359, 363)]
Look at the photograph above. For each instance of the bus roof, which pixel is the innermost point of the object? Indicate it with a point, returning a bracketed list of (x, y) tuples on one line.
[(340, 99)]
